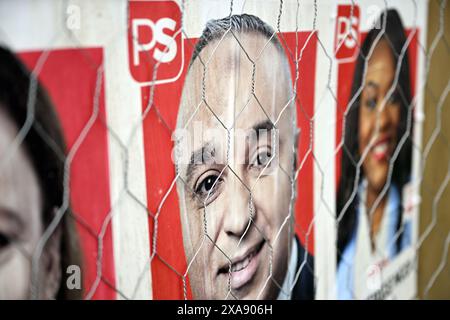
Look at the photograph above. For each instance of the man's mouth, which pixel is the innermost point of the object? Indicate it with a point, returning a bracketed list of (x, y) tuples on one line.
[(244, 267)]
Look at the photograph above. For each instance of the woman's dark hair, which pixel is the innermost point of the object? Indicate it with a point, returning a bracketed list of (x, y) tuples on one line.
[(45, 146), (391, 29)]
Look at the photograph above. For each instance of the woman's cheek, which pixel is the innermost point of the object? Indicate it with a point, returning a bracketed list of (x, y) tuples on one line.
[(15, 277), (396, 115), (364, 135)]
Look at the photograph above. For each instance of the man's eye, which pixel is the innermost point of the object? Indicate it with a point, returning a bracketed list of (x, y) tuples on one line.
[(207, 184), (263, 159)]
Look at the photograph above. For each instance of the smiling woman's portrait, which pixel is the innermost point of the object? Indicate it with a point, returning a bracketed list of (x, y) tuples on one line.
[(32, 153), (236, 163), (373, 228)]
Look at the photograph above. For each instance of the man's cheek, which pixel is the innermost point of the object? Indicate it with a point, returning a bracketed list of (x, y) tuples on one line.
[(192, 230), (212, 217), (265, 186)]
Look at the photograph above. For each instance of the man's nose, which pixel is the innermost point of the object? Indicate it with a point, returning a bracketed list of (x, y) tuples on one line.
[(240, 210)]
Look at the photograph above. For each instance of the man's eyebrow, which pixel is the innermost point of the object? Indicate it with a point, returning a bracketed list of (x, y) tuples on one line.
[(202, 155), (207, 153), (263, 125)]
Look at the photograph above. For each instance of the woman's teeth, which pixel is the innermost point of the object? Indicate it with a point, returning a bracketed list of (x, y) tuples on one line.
[(380, 148)]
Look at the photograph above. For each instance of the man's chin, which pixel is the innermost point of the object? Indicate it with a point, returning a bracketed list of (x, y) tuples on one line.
[(248, 293), (256, 292)]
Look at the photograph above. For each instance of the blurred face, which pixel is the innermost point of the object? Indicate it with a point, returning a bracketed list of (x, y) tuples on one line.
[(20, 220), (242, 197), (379, 116)]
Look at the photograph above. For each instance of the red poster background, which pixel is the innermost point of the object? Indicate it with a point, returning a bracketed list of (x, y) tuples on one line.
[(70, 76)]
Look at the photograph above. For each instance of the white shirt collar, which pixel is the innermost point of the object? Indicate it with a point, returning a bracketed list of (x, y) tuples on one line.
[(365, 260), (286, 289)]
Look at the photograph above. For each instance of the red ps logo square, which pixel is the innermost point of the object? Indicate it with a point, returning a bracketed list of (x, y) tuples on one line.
[(347, 32), (155, 46)]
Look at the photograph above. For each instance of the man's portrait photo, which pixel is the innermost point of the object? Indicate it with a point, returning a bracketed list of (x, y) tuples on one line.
[(235, 158)]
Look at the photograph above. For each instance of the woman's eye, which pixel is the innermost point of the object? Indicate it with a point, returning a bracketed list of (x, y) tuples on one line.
[(371, 103), (4, 241), (394, 98)]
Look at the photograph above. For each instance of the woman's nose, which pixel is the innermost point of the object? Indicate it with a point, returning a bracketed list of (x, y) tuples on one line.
[(383, 116)]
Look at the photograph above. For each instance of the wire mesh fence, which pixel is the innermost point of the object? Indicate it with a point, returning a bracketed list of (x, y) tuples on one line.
[(224, 150)]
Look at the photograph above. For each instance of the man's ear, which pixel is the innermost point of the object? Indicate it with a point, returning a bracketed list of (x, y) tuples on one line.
[(51, 272)]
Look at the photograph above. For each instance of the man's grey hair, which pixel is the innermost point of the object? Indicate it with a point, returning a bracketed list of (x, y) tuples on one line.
[(243, 23)]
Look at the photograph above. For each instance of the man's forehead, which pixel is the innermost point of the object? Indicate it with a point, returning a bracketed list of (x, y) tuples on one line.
[(248, 45), (250, 116), (207, 130), (233, 87)]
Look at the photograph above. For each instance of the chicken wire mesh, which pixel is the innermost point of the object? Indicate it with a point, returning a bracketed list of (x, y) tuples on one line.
[(286, 158)]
